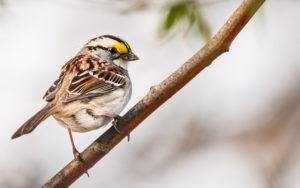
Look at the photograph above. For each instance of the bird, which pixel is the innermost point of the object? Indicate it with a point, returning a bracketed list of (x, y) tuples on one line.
[(91, 90)]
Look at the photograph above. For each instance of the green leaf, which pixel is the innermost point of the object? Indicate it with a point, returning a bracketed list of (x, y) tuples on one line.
[(187, 15), (175, 13), (203, 27)]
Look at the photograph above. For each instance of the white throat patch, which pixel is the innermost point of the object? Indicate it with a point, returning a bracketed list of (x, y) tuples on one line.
[(121, 63)]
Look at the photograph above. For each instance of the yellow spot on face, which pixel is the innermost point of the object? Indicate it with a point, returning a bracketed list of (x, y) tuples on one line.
[(121, 47)]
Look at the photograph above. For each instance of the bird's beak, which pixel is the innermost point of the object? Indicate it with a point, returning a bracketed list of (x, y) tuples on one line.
[(130, 57)]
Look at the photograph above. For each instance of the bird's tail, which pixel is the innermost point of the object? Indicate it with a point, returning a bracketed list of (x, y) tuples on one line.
[(34, 121)]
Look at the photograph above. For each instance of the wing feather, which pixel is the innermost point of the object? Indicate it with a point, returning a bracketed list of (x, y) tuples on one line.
[(89, 77), (102, 79), (51, 92)]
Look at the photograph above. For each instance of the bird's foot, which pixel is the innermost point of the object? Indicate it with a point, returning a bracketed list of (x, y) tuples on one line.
[(115, 122), (78, 157)]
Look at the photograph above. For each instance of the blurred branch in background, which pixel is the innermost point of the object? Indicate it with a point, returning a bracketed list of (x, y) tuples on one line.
[(180, 16), (129, 6), (276, 139), (194, 138), (271, 142), (216, 46)]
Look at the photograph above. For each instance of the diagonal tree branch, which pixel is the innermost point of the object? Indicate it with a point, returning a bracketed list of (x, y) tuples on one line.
[(157, 95)]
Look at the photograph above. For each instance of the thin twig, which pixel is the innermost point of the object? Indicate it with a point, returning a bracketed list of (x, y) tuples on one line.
[(157, 95)]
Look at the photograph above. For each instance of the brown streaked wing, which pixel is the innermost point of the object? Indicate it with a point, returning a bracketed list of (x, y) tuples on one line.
[(51, 92), (99, 81)]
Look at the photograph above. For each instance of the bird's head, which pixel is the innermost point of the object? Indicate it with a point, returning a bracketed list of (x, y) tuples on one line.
[(110, 47)]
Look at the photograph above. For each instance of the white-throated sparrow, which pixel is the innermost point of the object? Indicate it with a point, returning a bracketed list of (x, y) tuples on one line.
[(92, 89)]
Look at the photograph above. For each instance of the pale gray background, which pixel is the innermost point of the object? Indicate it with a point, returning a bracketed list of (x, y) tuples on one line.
[(229, 99)]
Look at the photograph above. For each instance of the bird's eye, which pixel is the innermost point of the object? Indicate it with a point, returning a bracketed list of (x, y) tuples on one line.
[(113, 50)]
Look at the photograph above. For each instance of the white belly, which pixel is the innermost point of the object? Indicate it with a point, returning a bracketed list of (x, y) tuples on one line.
[(83, 117)]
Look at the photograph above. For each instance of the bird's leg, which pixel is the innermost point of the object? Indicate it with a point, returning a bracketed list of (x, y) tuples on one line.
[(116, 118), (75, 151)]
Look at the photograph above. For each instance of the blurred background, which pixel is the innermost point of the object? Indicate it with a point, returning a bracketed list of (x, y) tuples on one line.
[(235, 125)]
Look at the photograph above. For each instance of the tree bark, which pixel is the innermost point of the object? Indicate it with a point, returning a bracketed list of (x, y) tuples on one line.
[(157, 95)]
